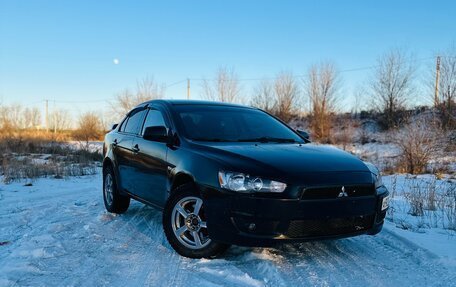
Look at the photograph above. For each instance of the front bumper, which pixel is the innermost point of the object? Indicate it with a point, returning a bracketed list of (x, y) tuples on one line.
[(249, 220)]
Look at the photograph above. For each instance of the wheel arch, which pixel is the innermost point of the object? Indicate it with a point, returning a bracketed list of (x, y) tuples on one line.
[(180, 179), (108, 162)]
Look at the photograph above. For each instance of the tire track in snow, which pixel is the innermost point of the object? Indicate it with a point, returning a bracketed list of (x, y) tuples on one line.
[(130, 250)]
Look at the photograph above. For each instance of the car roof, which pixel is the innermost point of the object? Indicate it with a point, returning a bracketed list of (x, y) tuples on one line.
[(192, 102)]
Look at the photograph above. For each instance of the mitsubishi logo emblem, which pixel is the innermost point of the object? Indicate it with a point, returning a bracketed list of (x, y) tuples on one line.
[(342, 192)]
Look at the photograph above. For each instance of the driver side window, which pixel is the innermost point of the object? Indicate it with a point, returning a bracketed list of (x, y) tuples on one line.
[(154, 118)]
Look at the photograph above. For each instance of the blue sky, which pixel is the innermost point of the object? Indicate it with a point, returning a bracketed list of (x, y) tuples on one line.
[(64, 50)]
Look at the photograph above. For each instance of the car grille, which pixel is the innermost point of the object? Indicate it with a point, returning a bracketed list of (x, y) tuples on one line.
[(335, 191), (328, 227)]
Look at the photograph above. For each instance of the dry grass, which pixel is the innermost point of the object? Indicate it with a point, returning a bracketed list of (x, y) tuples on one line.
[(431, 201), (33, 155), (419, 141)]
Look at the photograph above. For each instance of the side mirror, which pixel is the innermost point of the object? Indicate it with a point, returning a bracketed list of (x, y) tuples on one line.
[(304, 135), (156, 134), (114, 126)]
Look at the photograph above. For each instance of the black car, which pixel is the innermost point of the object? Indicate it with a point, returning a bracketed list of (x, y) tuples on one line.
[(229, 174)]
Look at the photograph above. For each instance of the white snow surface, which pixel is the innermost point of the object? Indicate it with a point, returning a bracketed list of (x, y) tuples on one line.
[(57, 233)]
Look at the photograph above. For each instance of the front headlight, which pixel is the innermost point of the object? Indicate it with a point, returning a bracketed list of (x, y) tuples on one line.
[(375, 174), (241, 182)]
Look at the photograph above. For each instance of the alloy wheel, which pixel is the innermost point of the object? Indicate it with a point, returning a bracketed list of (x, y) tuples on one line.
[(108, 189), (189, 223)]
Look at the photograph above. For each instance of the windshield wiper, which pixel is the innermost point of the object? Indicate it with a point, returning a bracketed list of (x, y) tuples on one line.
[(268, 139), (210, 140)]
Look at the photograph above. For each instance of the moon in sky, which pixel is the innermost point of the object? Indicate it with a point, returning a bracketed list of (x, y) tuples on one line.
[(116, 61)]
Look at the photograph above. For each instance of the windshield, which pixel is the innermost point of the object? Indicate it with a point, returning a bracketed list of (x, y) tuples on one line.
[(232, 124)]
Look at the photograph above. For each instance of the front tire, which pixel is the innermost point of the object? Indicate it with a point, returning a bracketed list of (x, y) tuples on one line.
[(113, 200), (184, 223)]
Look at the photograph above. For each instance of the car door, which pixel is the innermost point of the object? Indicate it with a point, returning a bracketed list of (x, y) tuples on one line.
[(150, 162), (123, 148)]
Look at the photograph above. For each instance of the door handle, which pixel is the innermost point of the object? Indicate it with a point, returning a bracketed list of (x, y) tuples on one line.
[(114, 143), (135, 149)]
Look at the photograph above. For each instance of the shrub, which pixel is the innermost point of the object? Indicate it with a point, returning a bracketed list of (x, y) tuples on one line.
[(419, 142)]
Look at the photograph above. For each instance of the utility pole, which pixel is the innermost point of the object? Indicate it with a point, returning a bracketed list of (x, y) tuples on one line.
[(188, 89), (46, 120), (437, 75)]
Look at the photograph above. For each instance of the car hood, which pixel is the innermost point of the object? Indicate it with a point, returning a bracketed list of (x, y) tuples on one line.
[(291, 159)]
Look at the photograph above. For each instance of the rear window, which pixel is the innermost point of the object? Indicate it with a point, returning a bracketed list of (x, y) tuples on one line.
[(133, 123)]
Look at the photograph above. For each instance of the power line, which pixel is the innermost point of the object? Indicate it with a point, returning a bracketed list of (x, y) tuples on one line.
[(82, 101), (239, 79), (176, 83), (305, 75), (34, 103)]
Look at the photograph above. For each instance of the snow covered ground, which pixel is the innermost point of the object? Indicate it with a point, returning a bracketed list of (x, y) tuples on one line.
[(91, 146), (57, 233)]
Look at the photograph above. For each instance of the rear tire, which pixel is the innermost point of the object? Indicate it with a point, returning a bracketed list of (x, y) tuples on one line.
[(184, 223), (113, 200)]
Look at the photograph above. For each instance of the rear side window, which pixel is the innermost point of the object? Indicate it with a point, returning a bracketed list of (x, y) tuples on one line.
[(154, 118), (133, 122)]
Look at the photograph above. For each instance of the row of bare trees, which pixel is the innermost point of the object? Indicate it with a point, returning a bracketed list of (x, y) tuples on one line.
[(284, 96), (17, 117), (318, 93), (390, 91)]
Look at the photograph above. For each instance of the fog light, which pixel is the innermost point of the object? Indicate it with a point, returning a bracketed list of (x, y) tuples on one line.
[(252, 226)]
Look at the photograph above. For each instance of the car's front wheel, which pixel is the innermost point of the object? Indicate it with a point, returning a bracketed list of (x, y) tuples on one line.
[(184, 223)]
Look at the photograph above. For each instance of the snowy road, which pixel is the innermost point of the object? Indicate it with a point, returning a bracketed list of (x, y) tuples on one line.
[(56, 233)]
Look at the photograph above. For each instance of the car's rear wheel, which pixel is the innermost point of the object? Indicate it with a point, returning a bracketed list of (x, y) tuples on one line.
[(113, 200), (184, 223)]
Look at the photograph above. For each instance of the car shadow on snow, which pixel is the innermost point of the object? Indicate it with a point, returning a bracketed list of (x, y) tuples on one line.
[(148, 222), (310, 263)]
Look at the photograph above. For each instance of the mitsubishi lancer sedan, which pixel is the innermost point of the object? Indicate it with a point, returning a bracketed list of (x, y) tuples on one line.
[(228, 174)]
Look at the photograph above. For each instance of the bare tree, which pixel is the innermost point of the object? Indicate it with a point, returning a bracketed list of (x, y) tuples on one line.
[(279, 97), (264, 96), (224, 88), (60, 120), (359, 100), (447, 89), (124, 102), (146, 89), (392, 85), (286, 93), (12, 117), (6, 125), (89, 128), (344, 131), (32, 117), (322, 88), (16, 116)]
